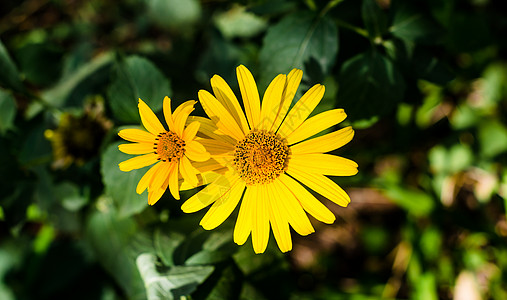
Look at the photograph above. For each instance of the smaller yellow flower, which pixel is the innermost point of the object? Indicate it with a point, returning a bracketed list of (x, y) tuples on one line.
[(170, 150)]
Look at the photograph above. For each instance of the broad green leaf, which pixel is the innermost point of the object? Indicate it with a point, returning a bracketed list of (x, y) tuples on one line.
[(7, 111), (172, 283), (134, 78), (416, 202), (426, 287), (121, 186), (9, 76), (492, 137), (370, 85), (174, 14), (40, 62), (165, 245), (413, 24), (431, 243), (294, 41), (73, 88), (218, 247), (238, 22), (374, 18), (228, 286), (117, 242)]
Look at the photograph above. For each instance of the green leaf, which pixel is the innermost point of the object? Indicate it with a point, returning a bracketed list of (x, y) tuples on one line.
[(374, 18), (370, 85), (7, 111), (174, 14), (492, 137), (9, 76), (165, 245), (426, 287), (416, 202), (238, 22), (40, 62), (134, 78), (172, 283), (121, 186), (117, 242), (413, 24), (294, 41)]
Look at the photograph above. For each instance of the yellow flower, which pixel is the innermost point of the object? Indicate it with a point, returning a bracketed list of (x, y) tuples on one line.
[(270, 157), (171, 150)]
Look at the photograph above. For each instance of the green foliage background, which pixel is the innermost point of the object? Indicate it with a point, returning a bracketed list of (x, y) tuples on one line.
[(424, 84)]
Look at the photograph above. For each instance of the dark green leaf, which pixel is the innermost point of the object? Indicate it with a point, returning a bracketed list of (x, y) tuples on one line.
[(413, 24), (165, 245), (41, 63), (7, 111), (374, 19), (9, 76), (136, 77), (370, 85), (121, 186), (169, 284), (293, 41)]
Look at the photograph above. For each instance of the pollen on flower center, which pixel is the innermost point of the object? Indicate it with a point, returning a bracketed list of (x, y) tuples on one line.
[(261, 157), (169, 146)]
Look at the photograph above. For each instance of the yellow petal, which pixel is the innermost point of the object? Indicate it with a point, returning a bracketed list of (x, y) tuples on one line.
[(301, 110), (216, 147), (136, 148), (293, 80), (161, 176), (222, 208), (279, 221), (204, 178), (190, 131), (147, 178), (322, 185), (181, 114), (168, 115), (155, 194), (149, 119), (137, 135), (325, 164), (138, 162), (295, 213), (324, 143), (309, 203), (316, 124), (220, 116), (211, 193), (188, 172), (196, 151), (226, 96), (250, 96), (260, 226), (244, 222), (272, 102), (173, 181)]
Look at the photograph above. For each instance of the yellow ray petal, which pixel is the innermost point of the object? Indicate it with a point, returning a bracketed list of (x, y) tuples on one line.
[(203, 178), (160, 177), (173, 181), (155, 194), (190, 131), (188, 172), (211, 193), (136, 148), (325, 164), (301, 110), (272, 102), (293, 80), (147, 178), (250, 96), (260, 226), (181, 114), (295, 213), (309, 203), (137, 135), (168, 114), (196, 151), (316, 124), (226, 96), (279, 221), (222, 208), (220, 116), (138, 162), (216, 147), (322, 185), (209, 129), (324, 143), (244, 222), (149, 119)]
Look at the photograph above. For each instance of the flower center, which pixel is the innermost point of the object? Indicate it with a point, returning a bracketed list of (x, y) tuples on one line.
[(261, 157), (169, 146)]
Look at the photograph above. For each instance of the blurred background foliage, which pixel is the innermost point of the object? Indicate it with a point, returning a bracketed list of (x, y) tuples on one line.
[(424, 84)]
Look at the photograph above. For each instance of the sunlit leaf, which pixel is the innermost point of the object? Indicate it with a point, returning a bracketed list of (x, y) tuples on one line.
[(238, 22), (174, 13), (134, 78), (415, 202)]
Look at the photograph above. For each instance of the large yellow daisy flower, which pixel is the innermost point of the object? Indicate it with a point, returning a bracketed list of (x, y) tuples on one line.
[(269, 159), (170, 150)]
